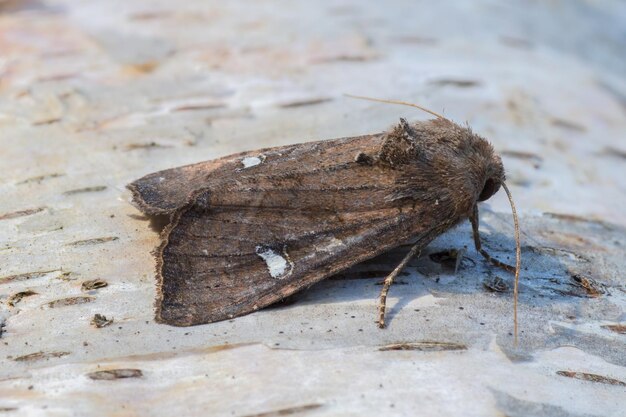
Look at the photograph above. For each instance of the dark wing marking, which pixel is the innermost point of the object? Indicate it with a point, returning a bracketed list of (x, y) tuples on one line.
[(166, 191), (231, 261)]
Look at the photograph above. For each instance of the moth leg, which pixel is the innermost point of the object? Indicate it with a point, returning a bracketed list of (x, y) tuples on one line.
[(494, 261), (389, 280)]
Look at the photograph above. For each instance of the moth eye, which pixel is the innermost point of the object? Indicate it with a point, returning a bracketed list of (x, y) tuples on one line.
[(489, 189)]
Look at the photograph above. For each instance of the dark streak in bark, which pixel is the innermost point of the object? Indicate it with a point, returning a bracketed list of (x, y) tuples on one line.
[(93, 284), (112, 374), (302, 103), (584, 376), (17, 297), (39, 178), (99, 321), (96, 241), (426, 346), (21, 213), (70, 301), (25, 276), (37, 356), (287, 411), (86, 190)]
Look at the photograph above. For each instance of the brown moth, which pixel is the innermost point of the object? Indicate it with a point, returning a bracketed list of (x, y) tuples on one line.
[(250, 229)]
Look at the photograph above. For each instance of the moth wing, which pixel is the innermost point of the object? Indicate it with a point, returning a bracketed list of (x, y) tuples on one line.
[(230, 261), (166, 191)]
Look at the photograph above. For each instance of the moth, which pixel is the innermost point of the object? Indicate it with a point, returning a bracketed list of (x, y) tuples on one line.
[(250, 229)]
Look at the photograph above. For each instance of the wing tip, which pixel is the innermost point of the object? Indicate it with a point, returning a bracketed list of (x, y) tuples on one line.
[(173, 317), (140, 193), (181, 316)]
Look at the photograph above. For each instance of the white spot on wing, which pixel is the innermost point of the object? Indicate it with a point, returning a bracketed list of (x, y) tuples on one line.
[(251, 161), (278, 264), (334, 244), (330, 245)]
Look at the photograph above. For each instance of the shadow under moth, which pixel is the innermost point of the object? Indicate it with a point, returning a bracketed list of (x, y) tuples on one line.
[(250, 229)]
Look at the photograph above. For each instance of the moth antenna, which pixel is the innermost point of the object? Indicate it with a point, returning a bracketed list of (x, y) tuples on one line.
[(403, 103), (518, 257)]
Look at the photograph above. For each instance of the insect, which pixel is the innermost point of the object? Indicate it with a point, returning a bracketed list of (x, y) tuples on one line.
[(250, 229)]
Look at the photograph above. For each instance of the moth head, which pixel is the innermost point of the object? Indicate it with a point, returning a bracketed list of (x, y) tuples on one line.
[(474, 160), (494, 177)]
